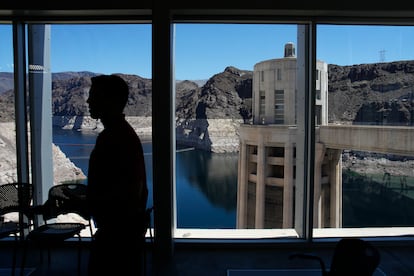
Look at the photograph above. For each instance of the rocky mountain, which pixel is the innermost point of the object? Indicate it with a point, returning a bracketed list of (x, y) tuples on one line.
[(7, 106), (63, 168), (6, 81), (69, 96), (70, 91), (379, 93), (359, 93), (226, 95), (208, 113), (207, 116)]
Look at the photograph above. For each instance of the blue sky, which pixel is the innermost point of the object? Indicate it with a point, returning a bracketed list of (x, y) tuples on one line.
[(202, 50)]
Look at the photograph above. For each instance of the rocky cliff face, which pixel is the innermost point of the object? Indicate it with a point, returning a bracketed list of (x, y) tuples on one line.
[(207, 117), (366, 93), (63, 168)]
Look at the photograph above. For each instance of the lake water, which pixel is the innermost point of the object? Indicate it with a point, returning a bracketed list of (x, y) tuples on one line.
[(206, 182), (206, 188)]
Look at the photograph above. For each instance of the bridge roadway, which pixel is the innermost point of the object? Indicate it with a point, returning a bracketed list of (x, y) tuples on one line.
[(397, 140)]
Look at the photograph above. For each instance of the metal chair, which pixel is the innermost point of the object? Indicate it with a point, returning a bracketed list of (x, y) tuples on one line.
[(147, 228), (64, 201), (352, 256), (14, 198)]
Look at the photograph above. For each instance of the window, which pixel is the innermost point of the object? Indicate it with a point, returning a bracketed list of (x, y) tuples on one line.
[(79, 51), (8, 160), (262, 109), (62, 59), (363, 177), (279, 74), (207, 138), (278, 175), (279, 107), (338, 159)]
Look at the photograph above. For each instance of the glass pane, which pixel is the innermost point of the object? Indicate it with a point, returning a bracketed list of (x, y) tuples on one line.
[(79, 52), (235, 94), (8, 171), (364, 152)]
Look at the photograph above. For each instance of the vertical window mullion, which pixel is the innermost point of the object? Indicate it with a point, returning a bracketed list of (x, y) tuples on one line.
[(310, 105), (163, 132), (19, 56), (306, 61)]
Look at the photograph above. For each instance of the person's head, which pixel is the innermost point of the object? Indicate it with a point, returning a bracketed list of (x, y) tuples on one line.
[(108, 96)]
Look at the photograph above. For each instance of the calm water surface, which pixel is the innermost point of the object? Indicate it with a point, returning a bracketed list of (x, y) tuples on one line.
[(206, 182), (207, 188)]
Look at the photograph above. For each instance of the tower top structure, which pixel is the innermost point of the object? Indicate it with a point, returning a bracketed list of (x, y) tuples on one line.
[(290, 50)]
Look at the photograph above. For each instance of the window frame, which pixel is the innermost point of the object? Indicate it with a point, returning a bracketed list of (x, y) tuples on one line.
[(163, 78)]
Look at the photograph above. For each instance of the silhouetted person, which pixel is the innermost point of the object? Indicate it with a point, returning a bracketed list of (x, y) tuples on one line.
[(117, 187)]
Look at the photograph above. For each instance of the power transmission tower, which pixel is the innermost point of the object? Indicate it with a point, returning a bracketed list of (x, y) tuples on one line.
[(382, 55)]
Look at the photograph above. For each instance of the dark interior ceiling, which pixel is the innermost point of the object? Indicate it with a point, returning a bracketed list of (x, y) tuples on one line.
[(12, 9)]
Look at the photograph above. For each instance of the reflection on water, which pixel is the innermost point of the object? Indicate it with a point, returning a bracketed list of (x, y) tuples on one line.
[(369, 203), (213, 174), (206, 183), (206, 189)]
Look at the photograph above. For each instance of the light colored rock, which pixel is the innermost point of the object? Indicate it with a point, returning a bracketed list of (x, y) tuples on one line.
[(216, 135), (224, 135), (379, 166), (64, 169)]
